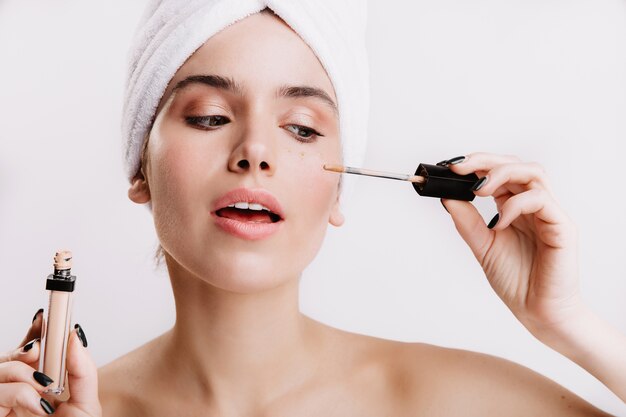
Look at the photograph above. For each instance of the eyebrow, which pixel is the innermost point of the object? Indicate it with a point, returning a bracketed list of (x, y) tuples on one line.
[(306, 91), (230, 85), (217, 81)]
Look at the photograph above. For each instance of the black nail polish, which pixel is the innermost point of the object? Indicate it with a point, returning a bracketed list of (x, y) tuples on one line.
[(443, 163), (46, 406), (43, 379), (81, 334), (28, 346), (479, 184), (444, 206), (36, 314), (456, 160), (494, 221)]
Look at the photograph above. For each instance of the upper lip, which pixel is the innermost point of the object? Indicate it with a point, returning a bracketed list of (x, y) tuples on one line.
[(259, 196)]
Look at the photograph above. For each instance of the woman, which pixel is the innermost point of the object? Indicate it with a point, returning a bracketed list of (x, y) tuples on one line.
[(226, 132)]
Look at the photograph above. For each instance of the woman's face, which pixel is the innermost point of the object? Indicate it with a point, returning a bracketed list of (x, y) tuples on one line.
[(250, 119)]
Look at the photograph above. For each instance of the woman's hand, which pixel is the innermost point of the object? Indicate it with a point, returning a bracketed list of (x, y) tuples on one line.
[(529, 254), (21, 386)]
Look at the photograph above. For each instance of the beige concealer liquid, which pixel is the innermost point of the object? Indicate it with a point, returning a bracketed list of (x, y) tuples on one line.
[(55, 330)]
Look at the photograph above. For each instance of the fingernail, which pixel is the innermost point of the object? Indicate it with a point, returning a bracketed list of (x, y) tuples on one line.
[(28, 346), (81, 334), (442, 163), (444, 206), (456, 160), (36, 314), (43, 379), (479, 184), (493, 221), (46, 406)]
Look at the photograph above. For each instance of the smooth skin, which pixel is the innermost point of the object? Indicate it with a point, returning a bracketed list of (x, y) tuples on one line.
[(240, 346)]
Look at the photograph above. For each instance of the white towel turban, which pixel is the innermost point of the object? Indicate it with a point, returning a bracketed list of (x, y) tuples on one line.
[(172, 30)]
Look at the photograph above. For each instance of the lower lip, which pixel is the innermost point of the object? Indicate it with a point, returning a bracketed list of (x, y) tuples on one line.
[(246, 230)]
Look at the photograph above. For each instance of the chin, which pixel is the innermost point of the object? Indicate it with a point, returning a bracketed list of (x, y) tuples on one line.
[(246, 273)]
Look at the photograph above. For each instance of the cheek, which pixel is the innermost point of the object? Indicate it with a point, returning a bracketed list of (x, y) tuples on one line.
[(170, 181), (315, 189), (182, 163), (317, 192), (179, 171), (168, 191)]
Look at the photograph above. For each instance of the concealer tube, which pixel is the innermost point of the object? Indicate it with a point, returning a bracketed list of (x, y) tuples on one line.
[(55, 329)]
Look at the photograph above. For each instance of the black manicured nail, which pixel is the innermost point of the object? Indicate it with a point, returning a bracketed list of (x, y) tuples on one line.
[(442, 163), (444, 206), (46, 406), (479, 184), (36, 314), (493, 221), (456, 160), (43, 379), (28, 346), (81, 334)]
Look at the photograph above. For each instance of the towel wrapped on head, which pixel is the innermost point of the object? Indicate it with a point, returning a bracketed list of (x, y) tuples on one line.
[(170, 31)]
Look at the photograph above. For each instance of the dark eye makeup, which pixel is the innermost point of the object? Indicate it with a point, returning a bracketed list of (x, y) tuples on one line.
[(206, 121), (301, 133), (308, 134)]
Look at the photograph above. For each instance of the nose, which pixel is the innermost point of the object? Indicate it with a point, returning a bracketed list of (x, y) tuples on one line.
[(253, 154), (244, 164)]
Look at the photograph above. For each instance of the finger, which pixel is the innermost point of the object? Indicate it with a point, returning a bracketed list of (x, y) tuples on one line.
[(20, 372), (502, 192), (470, 225), (539, 203), (22, 395), (29, 353), (528, 174), (82, 374), (481, 161), (35, 327)]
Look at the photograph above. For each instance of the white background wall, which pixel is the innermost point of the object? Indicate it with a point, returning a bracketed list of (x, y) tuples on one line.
[(545, 80)]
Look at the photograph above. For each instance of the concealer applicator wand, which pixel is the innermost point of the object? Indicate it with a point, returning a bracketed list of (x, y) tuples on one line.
[(429, 180)]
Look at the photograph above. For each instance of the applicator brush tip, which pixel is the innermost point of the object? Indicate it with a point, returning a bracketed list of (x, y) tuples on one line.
[(63, 259), (334, 168)]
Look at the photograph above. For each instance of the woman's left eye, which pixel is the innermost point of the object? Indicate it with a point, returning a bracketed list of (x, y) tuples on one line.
[(207, 122), (303, 133)]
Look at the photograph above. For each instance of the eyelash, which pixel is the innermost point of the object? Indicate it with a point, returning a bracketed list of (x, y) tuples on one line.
[(201, 122)]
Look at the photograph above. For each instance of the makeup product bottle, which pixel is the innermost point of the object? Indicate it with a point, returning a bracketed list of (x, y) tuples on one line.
[(55, 328)]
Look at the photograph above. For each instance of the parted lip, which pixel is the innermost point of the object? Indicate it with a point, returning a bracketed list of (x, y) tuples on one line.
[(249, 195)]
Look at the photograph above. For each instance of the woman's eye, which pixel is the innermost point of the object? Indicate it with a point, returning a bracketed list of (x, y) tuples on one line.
[(303, 133), (207, 122)]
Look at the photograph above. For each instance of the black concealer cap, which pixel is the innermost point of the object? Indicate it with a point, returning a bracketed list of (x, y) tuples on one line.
[(55, 283), (441, 182)]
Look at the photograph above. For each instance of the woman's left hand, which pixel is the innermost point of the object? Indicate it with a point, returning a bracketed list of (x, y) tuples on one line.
[(530, 255)]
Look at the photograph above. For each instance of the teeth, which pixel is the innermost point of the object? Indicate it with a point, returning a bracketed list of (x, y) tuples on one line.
[(249, 206)]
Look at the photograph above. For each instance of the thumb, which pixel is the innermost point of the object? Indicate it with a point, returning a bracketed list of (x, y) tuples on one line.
[(82, 374), (470, 225)]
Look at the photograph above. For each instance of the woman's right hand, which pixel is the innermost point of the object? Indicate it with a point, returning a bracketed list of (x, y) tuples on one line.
[(21, 386)]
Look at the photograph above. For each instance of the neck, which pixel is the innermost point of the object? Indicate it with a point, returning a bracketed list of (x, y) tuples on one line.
[(240, 348)]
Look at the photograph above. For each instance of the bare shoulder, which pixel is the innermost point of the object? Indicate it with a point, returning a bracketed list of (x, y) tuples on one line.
[(445, 381), (122, 381)]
